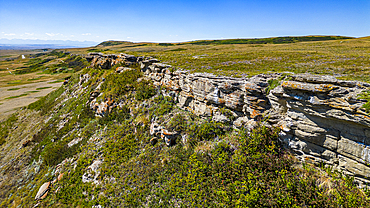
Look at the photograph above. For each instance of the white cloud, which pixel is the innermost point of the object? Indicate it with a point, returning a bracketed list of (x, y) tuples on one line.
[(30, 34), (97, 36), (86, 34), (52, 34), (9, 34), (128, 37), (71, 36)]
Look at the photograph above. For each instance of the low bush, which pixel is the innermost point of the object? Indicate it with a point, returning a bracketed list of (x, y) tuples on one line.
[(178, 123), (163, 105), (366, 96), (116, 115), (117, 85), (144, 90), (206, 131)]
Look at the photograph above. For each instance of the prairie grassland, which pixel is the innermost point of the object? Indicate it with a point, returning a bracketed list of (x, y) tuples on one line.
[(18, 90), (32, 69), (6, 54), (346, 59)]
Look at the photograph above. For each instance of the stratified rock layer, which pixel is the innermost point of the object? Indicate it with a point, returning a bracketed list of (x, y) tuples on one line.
[(321, 118)]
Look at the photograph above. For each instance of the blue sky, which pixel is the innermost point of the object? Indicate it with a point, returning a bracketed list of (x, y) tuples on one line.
[(180, 20)]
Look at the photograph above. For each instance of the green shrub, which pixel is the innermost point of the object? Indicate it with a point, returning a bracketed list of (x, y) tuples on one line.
[(165, 44), (54, 153), (273, 83), (117, 114), (365, 95), (144, 90), (116, 85), (205, 131), (277, 40), (226, 112), (118, 150), (75, 63), (178, 123), (163, 105)]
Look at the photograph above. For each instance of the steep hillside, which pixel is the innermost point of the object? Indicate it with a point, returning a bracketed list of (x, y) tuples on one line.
[(114, 136)]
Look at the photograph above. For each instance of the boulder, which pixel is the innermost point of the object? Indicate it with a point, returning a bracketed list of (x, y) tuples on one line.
[(155, 129), (94, 95), (60, 176), (169, 137), (240, 122), (122, 69), (154, 141), (26, 143), (74, 141), (43, 191), (92, 173), (219, 117), (130, 58), (84, 78)]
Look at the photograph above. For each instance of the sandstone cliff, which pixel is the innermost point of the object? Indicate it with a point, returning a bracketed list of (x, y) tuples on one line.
[(322, 120)]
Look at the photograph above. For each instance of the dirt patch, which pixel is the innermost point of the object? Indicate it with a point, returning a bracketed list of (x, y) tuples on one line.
[(33, 92)]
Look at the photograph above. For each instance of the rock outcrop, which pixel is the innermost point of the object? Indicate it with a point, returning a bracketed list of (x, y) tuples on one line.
[(322, 120), (158, 131), (107, 61)]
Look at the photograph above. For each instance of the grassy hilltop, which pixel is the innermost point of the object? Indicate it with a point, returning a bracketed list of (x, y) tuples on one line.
[(113, 161), (347, 58)]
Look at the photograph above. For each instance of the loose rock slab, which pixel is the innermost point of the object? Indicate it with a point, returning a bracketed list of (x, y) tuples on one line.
[(43, 191)]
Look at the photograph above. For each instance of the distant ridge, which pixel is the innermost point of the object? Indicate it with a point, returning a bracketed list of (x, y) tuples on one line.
[(53, 43), (272, 40), (34, 46), (113, 42)]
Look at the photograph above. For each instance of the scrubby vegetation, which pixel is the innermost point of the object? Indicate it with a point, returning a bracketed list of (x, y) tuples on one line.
[(366, 96), (5, 126), (214, 166), (32, 66)]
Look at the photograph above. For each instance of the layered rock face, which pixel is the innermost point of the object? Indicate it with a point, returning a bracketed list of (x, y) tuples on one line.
[(323, 121), (321, 118)]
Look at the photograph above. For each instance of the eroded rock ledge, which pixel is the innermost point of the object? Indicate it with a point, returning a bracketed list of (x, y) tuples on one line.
[(320, 117)]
